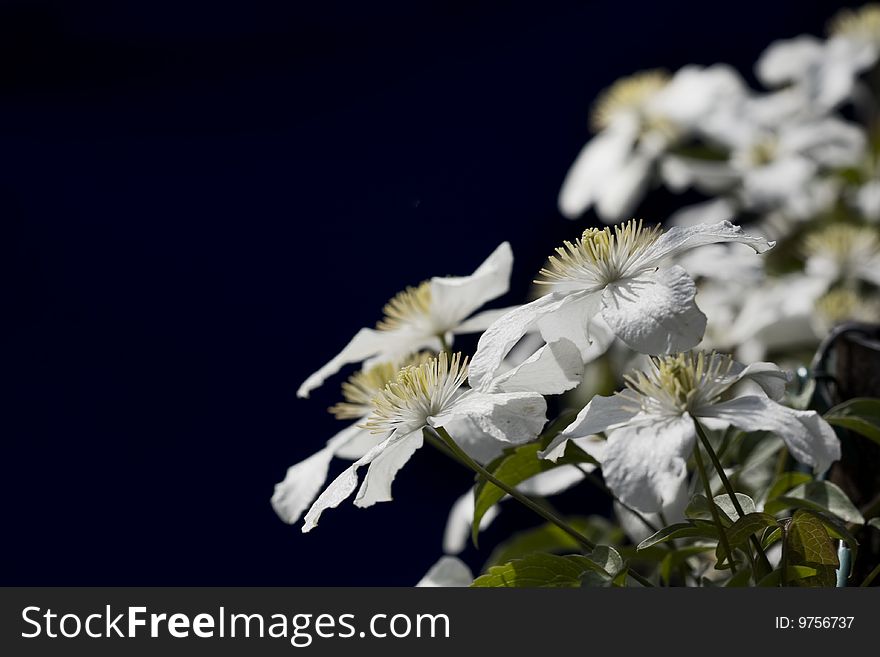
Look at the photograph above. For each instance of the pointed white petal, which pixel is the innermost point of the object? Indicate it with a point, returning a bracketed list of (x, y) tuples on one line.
[(343, 486), (305, 479), (578, 322), (768, 376), (809, 438), (512, 417), (481, 321), (788, 60), (366, 342), (655, 312), (599, 415), (376, 486), (679, 239), (448, 572), (455, 297), (552, 482), (500, 338), (551, 370), (621, 192), (601, 157), (673, 512), (645, 461), (460, 520)]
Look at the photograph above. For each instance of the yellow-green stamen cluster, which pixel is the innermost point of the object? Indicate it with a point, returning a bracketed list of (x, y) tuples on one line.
[(363, 386), (627, 94), (681, 382), (416, 393), (862, 24), (411, 306), (843, 243), (600, 256), (844, 304)]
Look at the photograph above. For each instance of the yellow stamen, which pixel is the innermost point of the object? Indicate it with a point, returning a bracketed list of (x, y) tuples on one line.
[(409, 306), (600, 256), (862, 23), (682, 382), (364, 385), (627, 94)]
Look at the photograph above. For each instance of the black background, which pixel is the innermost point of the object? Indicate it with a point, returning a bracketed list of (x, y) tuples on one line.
[(201, 202)]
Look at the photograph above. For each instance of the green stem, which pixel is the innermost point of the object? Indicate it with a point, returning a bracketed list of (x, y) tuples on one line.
[(722, 535), (443, 343), (460, 455), (756, 544)]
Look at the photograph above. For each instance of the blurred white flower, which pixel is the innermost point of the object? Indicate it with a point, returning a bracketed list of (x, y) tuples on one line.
[(620, 275), (845, 305), (650, 424), (448, 572), (420, 317), (860, 25), (844, 252), (822, 73), (637, 120), (867, 200)]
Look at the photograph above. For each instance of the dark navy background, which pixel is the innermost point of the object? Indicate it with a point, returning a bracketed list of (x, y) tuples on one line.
[(201, 202)]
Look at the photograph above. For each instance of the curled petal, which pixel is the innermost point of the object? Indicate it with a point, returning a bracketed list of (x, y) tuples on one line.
[(679, 239), (460, 520), (551, 370), (809, 438), (481, 321), (376, 486), (655, 313), (511, 417)]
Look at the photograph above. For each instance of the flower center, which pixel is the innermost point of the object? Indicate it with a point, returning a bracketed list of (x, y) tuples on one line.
[(411, 307), (843, 305), (862, 24), (681, 382), (600, 256), (363, 386), (844, 244), (416, 393), (629, 94)]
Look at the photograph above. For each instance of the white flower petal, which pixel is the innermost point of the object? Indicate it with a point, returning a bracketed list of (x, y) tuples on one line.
[(366, 342), (788, 60), (768, 376), (603, 155), (499, 339), (551, 370), (809, 438), (597, 416), (512, 417), (481, 321), (679, 239), (448, 572), (655, 313), (455, 297), (552, 482), (376, 486), (460, 520), (304, 480), (708, 176), (673, 512), (343, 486), (621, 192), (645, 461)]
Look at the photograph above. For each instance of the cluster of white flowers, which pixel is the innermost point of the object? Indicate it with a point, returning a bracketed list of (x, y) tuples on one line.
[(678, 319)]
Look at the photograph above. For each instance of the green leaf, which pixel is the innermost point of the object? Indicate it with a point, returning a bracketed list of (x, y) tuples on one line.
[(821, 496), (740, 531), (680, 530), (771, 537), (514, 466), (861, 415), (785, 482), (550, 538), (675, 558), (544, 571), (740, 579), (698, 509), (792, 573), (807, 543)]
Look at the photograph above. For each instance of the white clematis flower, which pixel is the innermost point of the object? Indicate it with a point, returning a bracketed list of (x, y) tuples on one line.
[(420, 317), (305, 479), (650, 424), (637, 120), (843, 252), (620, 276), (431, 395)]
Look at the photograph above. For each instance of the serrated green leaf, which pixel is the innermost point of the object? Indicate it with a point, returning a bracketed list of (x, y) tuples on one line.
[(785, 482), (550, 538), (541, 571), (861, 415), (820, 496), (514, 466), (807, 543), (740, 531), (680, 530)]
